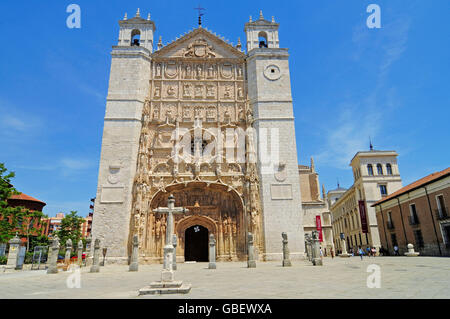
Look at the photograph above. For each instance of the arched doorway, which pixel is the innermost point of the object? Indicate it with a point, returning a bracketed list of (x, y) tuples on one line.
[(196, 244)]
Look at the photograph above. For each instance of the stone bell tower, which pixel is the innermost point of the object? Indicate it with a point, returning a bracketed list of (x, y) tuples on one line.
[(269, 93), (128, 89)]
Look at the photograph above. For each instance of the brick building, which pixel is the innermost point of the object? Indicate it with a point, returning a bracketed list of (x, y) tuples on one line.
[(418, 214)]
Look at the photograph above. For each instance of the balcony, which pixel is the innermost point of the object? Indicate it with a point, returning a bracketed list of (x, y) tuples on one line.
[(442, 214), (390, 225), (413, 220)]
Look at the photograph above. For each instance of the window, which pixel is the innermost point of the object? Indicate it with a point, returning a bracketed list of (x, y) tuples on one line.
[(413, 219), (262, 36), (418, 238), (390, 224), (135, 37), (379, 169), (389, 169), (442, 212), (394, 240), (383, 190), (370, 170)]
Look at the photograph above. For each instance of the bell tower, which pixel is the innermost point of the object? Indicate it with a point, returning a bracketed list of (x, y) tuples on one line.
[(269, 93), (129, 87)]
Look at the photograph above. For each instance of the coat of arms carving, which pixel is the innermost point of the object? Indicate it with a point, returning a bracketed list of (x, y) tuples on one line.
[(199, 49)]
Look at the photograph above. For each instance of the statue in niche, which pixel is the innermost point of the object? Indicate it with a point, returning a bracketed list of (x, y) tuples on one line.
[(156, 115), (188, 72), (186, 113), (158, 227), (210, 71), (187, 90), (227, 93), (157, 91), (240, 94), (158, 70), (227, 117), (199, 71), (163, 226), (239, 71), (225, 224), (211, 113)]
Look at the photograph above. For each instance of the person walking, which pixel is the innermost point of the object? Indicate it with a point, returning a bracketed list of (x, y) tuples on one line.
[(360, 252), (321, 254), (374, 251), (396, 251), (332, 253), (368, 251)]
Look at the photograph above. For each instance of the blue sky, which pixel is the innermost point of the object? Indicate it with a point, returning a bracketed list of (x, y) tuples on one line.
[(348, 83)]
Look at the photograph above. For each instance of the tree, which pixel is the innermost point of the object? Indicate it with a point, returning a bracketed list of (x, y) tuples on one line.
[(15, 219), (70, 228)]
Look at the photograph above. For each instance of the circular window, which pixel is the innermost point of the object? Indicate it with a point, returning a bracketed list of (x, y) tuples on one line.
[(272, 72)]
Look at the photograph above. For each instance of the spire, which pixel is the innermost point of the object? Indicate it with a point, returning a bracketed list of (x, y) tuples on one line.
[(312, 165), (126, 17), (273, 19), (261, 15), (148, 17), (138, 13), (239, 45), (324, 194), (160, 45), (250, 20)]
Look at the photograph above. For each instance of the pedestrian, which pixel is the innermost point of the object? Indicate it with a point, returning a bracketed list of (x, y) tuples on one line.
[(396, 251), (332, 253), (368, 251), (374, 251), (360, 252), (321, 254)]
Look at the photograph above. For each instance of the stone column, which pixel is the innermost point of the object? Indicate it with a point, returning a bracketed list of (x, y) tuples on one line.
[(251, 263), (96, 261), (212, 252), (286, 260), (68, 252), (167, 273), (89, 250), (344, 249), (53, 260), (174, 244), (317, 261), (80, 253), (14, 245), (134, 264)]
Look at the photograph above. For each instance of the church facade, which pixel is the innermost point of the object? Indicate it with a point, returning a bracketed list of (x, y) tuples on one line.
[(209, 123)]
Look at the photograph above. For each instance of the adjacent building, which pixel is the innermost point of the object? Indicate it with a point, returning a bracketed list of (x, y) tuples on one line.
[(316, 215), (376, 175), (417, 214)]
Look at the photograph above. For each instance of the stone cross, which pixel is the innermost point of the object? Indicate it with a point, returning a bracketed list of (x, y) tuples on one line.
[(14, 245), (317, 261), (286, 260), (96, 261), (212, 252), (167, 273), (80, 253), (251, 263), (52, 263), (134, 254), (68, 251), (174, 244)]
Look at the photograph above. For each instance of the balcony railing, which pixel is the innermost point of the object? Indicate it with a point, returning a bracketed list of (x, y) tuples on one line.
[(390, 225), (442, 213), (413, 220)]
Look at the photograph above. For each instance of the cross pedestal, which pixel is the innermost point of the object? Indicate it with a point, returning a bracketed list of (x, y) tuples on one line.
[(167, 285)]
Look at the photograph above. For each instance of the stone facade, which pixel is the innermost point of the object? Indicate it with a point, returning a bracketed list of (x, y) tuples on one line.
[(190, 119), (370, 185)]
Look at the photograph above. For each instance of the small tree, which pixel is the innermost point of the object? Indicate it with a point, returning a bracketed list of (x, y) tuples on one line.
[(70, 228)]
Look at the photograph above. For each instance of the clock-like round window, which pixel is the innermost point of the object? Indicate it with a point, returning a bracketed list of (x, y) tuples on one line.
[(272, 72)]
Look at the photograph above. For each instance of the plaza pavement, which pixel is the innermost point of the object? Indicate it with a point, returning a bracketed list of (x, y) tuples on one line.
[(401, 277)]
